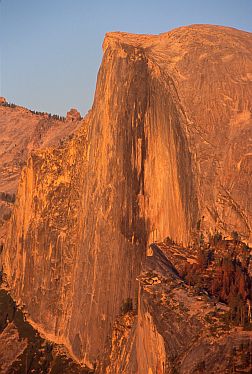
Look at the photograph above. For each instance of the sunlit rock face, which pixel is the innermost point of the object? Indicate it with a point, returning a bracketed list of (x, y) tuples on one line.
[(177, 331), (22, 131), (165, 144), (178, 326)]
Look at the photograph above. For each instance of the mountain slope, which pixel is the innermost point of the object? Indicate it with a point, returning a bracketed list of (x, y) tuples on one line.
[(23, 131), (165, 151)]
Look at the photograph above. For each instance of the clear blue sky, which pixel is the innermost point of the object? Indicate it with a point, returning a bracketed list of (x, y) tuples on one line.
[(51, 49)]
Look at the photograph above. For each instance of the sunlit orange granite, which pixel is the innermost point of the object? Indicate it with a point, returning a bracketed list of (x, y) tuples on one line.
[(164, 151), (22, 131)]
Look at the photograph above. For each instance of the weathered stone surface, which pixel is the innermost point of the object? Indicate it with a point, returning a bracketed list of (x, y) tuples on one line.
[(182, 330), (180, 327), (22, 350), (165, 144), (73, 115), (121, 356), (22, 131)]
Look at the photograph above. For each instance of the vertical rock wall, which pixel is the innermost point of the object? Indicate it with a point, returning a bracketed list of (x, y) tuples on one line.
[(85, 212), (165, 146)]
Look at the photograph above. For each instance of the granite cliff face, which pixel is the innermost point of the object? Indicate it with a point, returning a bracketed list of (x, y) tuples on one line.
[(165, 151), (22, 350), (23, 131)]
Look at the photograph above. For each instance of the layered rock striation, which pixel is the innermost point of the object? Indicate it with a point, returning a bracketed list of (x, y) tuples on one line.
[(164, 152)]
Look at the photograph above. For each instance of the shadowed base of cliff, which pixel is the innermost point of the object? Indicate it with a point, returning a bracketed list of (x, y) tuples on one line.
[(23, 350)]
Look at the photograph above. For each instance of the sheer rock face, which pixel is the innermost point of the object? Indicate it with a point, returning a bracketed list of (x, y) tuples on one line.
[(166, 142), (22, 349), (211, 70)]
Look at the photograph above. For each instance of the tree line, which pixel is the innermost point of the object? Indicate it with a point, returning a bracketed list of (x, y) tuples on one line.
[(221, 273), (50, 116), (9, 105)]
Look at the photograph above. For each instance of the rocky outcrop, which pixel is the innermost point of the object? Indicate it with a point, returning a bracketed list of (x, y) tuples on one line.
[(163, 152), (180, 328), (73, 115), (180, 325)]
